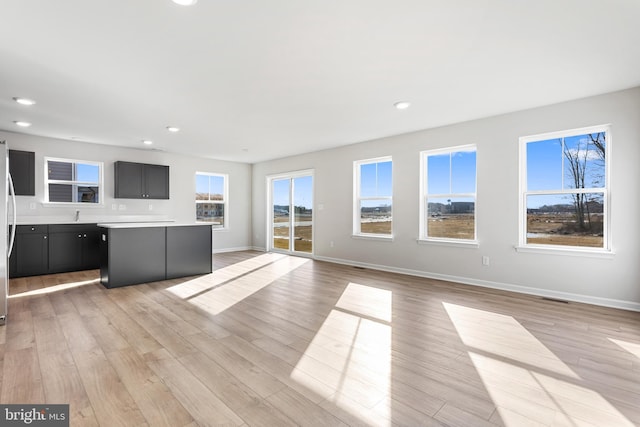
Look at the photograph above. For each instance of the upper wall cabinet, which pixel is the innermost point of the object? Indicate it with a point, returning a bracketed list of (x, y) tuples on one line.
[(141, 181), (22, 169)]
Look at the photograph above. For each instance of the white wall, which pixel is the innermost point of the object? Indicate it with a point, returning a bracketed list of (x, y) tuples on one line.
[(180, 207), (614, 282)]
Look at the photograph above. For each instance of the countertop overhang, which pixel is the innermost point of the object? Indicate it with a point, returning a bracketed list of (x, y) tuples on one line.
[(151, 224)]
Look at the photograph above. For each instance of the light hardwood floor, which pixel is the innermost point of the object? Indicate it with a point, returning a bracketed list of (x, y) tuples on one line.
[(273, 340)]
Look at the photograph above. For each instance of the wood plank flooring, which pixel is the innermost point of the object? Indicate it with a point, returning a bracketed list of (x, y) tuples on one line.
[(273, 340)]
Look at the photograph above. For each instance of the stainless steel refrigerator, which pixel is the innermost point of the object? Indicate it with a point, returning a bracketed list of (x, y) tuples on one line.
[(8, 227)]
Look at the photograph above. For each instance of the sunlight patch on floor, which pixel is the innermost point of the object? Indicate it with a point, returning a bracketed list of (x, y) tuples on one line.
[(351, 354), (525, 380), (632, 348), (222, 289), (223, 275), (54, 288)]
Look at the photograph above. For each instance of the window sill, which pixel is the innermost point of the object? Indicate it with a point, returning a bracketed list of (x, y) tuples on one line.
[(590, 253), (384, 238), (470, 244)]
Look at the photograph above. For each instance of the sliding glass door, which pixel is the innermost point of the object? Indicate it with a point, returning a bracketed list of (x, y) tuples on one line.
[(291, 219)]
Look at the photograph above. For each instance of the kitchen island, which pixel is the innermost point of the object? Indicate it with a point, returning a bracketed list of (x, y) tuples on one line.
[(132, 253)]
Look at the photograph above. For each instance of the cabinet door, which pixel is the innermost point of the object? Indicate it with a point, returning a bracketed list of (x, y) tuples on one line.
[(32, 254), (22, 169), (129, 182), (65, 251), (188, 251), (156, 181), (91, 248)]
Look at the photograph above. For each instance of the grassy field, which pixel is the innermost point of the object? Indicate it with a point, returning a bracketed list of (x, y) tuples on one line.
[(560, 229), (543, 229), (459, 226), (381, 227), (302, 239)]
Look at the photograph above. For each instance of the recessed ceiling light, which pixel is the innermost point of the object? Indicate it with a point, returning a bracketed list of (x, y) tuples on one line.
[(402, 105), (173, 129), (24, 101), (147, 142), (185, 2), (22, 124)]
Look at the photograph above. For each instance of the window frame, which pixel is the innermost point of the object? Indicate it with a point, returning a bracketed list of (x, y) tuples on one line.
[(424, 197), (100, 183), (604, 251), (357, 231), (224, 201)]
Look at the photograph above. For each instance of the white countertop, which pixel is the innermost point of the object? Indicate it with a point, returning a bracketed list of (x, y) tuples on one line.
[(150, 224), (88, 219)]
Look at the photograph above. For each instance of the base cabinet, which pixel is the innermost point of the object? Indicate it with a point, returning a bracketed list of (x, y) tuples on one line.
[(73, 247), (133, 255), (30, 255), (54, 248)]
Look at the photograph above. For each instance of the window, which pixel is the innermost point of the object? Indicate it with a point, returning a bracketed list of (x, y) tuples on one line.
[(211, 199), (565, 189), (72, 181), (448, 205), (372, 197)]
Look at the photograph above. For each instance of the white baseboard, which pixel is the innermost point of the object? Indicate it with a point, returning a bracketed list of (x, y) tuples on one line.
[(605, 302), (241, 248)]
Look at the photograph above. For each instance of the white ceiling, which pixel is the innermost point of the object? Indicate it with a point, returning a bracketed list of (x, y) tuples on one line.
[(251, 80)]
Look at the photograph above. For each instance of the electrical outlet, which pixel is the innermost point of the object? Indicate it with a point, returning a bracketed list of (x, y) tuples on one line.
[(150, 207), (331, 243), (32, 205), (485, 260), (122, 207), (114, 207)]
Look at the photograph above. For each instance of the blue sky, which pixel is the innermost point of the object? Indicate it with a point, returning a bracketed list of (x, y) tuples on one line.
[(452, 173), (549, 169), (211, 184), (302, 192), (87, 173)]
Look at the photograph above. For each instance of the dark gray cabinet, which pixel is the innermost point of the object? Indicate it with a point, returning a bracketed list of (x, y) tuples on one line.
[(188, 251), (22, 169), (73, 247), (141, 181), (30, 256), (141, 254), (132, 255), (54, 248)]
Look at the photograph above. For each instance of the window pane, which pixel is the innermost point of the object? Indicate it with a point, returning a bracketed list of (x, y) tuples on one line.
[(438, 174), (216, 185), (376, 179), (61, 193), (202, 187), (210, 212), (88, 173), (584, 161), (60, 170), (87, 194), (566, 219), (544, 165), (463, 172), (303, 211), (209, 187), (375, 216), (452, 218)]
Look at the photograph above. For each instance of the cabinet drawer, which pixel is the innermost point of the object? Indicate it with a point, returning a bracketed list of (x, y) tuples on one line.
[(72, 228), (32, 229)]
